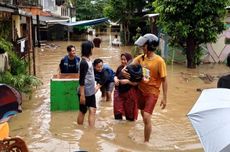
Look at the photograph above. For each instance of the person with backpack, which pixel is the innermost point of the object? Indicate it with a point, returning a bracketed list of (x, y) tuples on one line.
[(70, 63), (104, 77)]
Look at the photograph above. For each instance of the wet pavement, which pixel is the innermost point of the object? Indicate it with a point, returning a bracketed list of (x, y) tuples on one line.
[(46, 131)]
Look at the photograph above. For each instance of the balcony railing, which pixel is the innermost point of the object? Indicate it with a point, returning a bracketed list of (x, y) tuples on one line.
[(9, 2), (29, 3), (22, 2)]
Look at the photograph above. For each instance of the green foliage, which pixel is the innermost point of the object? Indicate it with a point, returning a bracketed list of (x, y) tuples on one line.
[(17, 76), (116, 10), (228, 2), (123, 10), (87, 9), (198, 55), (202, 19), (18, 66), (6, 46), (135, 51), (24, 83), (176, 55), (191, 22), (128, 13), (5, 28), (138, 34)]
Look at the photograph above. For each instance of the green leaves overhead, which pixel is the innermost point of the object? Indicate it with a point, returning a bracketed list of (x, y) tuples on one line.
[(203, 19), (125, 9), (87, 9), (190, 23)]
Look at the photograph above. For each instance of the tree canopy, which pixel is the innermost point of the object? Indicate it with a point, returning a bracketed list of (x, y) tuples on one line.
[(129, 13), (88, 9), (191, 23)]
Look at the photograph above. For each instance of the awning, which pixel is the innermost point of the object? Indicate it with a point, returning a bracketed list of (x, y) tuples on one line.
[(52, 19), (85, 22)]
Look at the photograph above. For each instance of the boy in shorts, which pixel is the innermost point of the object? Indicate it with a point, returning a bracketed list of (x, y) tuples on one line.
[(87, 85)]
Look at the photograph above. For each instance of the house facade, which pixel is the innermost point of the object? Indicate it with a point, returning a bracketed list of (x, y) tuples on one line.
[(16, 27), (218, 51)]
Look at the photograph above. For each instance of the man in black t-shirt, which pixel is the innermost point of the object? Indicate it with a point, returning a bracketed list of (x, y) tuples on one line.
[(70, 63), (224, 81)]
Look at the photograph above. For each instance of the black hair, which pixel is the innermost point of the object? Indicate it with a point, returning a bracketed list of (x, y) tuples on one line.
[(96, 61), (152, 44), (86, 48), (228, 60), (69, 48)]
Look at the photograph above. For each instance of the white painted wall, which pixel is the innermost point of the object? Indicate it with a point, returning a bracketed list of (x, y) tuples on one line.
[(48, 5)]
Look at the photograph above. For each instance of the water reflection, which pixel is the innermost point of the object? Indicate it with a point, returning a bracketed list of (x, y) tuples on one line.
[(46, 131)]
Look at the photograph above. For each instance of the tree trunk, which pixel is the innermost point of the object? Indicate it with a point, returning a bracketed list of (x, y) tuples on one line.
[(128, 34), (190, 52), (125, 33)]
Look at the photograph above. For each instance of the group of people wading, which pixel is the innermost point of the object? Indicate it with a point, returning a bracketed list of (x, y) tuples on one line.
[(136, 81)]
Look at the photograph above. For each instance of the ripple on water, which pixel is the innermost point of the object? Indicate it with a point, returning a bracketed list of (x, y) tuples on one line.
[(171, 129)]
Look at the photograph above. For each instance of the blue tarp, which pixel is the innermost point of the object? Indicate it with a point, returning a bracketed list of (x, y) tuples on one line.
[(85, 22)]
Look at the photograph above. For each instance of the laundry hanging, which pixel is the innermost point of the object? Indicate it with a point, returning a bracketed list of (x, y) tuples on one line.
[(4, 62)]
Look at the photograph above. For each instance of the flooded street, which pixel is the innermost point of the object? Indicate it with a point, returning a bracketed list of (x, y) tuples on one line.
[(46, 131)]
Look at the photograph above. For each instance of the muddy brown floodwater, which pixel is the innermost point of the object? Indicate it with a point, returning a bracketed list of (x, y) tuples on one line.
[(46, 131)]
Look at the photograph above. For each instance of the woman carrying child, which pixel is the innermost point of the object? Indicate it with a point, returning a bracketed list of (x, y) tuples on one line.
[(125, 98)]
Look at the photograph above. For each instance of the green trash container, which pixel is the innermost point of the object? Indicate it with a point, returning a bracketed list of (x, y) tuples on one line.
[(63, 94)]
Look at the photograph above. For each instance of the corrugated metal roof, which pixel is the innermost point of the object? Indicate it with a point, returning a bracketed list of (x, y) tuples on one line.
[(85, 22)]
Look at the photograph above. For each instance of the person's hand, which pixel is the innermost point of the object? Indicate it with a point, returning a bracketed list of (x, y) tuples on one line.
[(163, 103), (97, 88), (82, 99), (125, 73), (116, 81), (145, 80)]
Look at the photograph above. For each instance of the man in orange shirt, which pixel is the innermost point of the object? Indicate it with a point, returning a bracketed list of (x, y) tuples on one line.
[(154, 70)]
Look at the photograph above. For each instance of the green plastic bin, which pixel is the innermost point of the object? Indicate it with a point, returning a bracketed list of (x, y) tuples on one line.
[(63, 94)]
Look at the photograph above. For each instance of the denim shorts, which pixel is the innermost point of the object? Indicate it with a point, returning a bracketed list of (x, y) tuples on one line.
[(108, 87)]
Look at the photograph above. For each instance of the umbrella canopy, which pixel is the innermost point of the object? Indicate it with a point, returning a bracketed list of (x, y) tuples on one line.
[(10, 102), (210, 117)]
